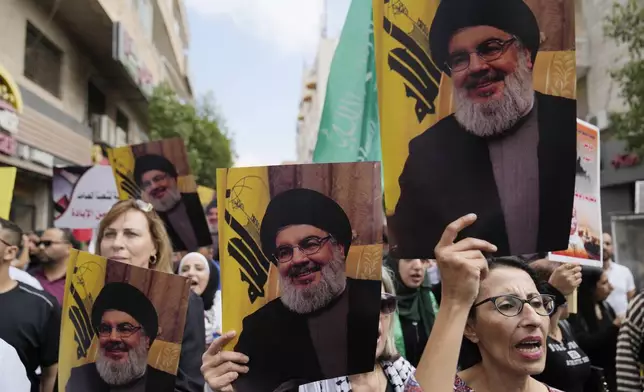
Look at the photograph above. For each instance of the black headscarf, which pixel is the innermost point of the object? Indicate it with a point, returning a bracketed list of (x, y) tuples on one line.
[(304, 207), (208, 295), (128, 299), (512, 16), (149, 162)]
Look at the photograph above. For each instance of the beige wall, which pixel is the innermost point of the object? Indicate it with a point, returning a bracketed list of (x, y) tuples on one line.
[(75, 69), (605, 55)]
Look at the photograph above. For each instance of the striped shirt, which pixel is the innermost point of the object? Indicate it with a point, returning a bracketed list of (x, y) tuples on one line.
[(630, 347)]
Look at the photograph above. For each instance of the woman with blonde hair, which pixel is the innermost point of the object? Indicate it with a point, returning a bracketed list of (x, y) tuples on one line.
[(131, 232)]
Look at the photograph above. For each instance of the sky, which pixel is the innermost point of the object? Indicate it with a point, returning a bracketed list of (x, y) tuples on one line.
[(251, 54)]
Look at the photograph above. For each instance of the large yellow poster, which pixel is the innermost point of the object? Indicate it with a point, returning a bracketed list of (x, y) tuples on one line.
[(296, 242), (456, 79)]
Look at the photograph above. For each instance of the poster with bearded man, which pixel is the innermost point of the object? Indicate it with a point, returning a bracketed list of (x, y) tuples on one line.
[(159, 173), (122, 327), (301, 251), (486, 94)]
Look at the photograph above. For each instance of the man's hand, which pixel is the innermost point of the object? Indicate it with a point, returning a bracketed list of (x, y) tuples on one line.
[(566, 278), (221, 368), (462, 265)]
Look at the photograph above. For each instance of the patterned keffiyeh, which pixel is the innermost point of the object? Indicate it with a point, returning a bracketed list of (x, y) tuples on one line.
[(400, 375)]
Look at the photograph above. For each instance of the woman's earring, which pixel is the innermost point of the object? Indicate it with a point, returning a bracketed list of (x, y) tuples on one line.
[(153, 259)]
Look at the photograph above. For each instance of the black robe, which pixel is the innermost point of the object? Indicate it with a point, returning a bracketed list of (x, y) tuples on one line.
[(197, 219), (86, 378), (449, 174), (279, 346)]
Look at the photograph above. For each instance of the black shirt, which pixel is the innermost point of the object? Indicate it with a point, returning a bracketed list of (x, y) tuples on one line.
[(567, 366), (415, 338), (30, 322)]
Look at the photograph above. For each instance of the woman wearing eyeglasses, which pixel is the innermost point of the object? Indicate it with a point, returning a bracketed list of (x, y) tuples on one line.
[(131, 232), (493, 309), (392, 372)]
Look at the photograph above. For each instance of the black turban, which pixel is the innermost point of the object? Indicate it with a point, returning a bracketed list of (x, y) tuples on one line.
[(304, 207), (149, 162), (512, 16), (128, 299)]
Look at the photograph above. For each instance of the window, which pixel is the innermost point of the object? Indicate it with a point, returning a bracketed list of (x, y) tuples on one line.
[(43, 61), (146, 16), (122, 126)]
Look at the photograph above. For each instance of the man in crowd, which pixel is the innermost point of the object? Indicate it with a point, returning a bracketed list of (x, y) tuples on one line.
[(213, 225), (30, 319), (182, 213), (55, 245), (507, 154), (324, 324), (126, 323), (620, 277)]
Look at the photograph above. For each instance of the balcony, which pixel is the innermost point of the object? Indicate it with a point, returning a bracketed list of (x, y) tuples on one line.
[(582, 47)]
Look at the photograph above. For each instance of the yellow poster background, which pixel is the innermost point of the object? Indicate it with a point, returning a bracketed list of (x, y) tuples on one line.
[(86, 276), (406, 107), (243, 195), (8, 181)]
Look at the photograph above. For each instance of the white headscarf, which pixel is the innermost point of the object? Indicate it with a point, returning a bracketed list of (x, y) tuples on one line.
[(197, 255)]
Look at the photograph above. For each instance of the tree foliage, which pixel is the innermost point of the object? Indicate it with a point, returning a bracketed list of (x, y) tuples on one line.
[(625, 24), (203, 131)]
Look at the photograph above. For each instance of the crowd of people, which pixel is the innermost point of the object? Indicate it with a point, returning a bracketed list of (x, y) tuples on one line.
[(487, 322)]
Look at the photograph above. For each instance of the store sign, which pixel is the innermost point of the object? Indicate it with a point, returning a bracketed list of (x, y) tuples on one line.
[(125, 52), (8, 144)]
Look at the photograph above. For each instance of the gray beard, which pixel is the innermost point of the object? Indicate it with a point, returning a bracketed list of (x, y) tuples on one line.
[(123, 373), (495, 117), (171, 198), (307, 300)]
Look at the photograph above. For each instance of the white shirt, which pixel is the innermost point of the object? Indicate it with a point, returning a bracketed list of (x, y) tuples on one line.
[(621, 278), (13, 376), (24, 277)]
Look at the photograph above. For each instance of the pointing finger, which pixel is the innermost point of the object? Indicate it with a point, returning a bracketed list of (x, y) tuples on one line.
[(453, 229)]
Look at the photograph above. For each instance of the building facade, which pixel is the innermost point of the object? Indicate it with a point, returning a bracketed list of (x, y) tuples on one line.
[(314, 82), (77, 74), (597, 96)]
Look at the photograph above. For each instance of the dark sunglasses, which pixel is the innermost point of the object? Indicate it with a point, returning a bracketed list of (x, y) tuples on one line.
[(48, 243), (388, 303)]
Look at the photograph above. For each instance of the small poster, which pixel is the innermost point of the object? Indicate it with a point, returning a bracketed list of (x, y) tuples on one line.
[(122, 326), (585, 245), (301, 257), (158, 172), (82, 195)]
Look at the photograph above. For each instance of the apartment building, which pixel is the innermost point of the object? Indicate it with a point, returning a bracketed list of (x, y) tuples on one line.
[(314, 80), (76, 75), (597, 96)]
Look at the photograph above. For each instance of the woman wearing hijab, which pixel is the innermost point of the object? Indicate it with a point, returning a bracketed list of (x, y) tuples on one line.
[(204, 281), (417, 307)]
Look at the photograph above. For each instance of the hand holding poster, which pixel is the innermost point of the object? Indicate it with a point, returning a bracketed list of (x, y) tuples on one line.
[(158, 172), (82, 195), (483, 122), (585, 245), (301, 262), (122, 325)]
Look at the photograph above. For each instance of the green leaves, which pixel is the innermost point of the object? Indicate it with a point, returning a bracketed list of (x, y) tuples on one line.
[(202, 129), (625, 24)]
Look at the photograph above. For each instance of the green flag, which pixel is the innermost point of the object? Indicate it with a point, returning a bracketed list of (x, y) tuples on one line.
[(349, 127)]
